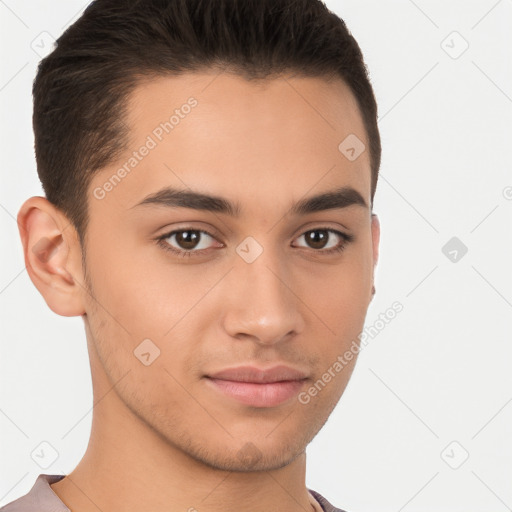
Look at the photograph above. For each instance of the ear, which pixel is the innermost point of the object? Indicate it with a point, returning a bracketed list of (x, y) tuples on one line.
[(375, 238), (53, 256), (375, 226)]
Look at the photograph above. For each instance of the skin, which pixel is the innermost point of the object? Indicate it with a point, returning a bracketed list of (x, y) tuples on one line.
[(162, 439)]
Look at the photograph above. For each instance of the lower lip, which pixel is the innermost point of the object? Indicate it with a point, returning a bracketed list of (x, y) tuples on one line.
[(269, 394)]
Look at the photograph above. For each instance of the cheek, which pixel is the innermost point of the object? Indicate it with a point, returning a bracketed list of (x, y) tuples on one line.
[(340, 294), (143, 294), (159, 302), (339, 299)]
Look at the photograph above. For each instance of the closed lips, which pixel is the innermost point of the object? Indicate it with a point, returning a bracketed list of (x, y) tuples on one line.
[(256, 375)]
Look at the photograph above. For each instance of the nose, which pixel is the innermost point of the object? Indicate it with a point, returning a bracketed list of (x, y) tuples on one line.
[(261, 302)]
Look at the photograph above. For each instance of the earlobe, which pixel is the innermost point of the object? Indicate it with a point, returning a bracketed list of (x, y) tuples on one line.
[(51, 250)]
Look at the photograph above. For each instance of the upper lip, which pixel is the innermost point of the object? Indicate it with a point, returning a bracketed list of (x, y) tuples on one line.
[(259, 375)]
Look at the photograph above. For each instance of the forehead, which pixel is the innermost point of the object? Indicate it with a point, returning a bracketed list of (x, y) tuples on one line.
[(234, 103), (217, 131)]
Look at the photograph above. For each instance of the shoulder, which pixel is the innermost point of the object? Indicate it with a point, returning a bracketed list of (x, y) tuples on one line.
[(326, 505), (40, 498)]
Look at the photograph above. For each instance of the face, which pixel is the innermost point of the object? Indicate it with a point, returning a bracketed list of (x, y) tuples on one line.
[(223, 315)]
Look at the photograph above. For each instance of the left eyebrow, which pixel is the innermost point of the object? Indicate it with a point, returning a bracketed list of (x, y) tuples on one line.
[(180, 198), (335, 199)]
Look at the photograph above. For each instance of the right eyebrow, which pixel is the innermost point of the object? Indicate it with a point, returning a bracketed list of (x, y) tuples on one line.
[(175, 198)]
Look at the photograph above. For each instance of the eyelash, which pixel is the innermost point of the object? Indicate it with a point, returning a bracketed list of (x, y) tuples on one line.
[(183, 253)]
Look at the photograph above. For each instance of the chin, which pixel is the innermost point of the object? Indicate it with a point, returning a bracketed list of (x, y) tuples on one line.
[(248, 458)]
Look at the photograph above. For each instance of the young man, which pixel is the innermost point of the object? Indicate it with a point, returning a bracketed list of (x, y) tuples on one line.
[(209, 170)]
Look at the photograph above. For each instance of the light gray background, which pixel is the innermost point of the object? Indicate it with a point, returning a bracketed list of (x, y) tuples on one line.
[(434, 385)]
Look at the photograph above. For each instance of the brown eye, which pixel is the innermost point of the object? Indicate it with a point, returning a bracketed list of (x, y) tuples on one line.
[(317, 239), (188, 239), (322, 239), (186, 242)]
